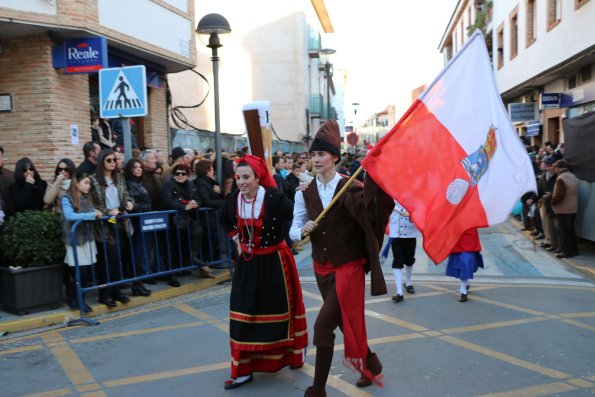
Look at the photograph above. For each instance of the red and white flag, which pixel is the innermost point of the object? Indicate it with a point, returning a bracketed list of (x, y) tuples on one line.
[(454, 160)]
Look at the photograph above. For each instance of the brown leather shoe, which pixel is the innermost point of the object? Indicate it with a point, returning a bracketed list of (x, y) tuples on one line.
[(373, 364), (205, 272), (311, 392)]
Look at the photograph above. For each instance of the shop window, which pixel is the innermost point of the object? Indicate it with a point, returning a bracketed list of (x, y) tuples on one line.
[(579, 3), (530, 23), (500, 46), (554, 13), (514, 33)]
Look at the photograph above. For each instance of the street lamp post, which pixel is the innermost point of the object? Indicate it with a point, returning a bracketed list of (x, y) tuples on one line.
[(325, 55), (213, 25)]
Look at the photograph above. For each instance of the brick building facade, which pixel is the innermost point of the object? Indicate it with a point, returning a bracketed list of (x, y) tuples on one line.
[(46, 101)]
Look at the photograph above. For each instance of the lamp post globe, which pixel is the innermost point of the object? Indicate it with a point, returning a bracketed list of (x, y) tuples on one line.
[(213, 25)]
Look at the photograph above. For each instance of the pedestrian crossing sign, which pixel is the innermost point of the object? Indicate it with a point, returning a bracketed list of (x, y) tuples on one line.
[(123, 92)]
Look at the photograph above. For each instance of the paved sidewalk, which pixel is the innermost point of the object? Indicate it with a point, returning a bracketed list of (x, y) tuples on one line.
[(10, 323)]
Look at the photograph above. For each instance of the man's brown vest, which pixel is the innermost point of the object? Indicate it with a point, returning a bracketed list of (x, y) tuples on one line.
[(338, 238)]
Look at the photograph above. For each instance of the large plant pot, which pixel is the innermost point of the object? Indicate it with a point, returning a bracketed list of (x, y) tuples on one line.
[(31, 290)]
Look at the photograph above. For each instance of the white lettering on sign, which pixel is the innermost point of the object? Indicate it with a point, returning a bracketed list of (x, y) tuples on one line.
[(89, 53), (153, 224)]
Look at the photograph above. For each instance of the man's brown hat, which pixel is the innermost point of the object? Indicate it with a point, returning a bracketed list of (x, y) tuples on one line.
[(328, 138)]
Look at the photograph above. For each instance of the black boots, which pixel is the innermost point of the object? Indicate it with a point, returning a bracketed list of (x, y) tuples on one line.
[(374, 366)]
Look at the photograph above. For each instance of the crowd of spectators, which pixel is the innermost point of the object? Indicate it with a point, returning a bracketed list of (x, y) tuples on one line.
[(550, 213), (184, 181)]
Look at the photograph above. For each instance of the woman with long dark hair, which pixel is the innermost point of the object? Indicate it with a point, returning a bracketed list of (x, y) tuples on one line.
[(28, 188), (142, 203), (63, 174), (110, 196), (77, 205)]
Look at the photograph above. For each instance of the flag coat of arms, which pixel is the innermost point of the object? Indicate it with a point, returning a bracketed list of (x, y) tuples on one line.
[(454, 159)]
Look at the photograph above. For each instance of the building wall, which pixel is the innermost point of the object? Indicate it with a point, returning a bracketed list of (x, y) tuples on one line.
[(574, 33), (156, 126), (264, 58), (45, 104), (113, 21)]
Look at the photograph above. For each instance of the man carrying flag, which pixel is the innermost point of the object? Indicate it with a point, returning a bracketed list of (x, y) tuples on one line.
[(475, 169), (345, 244)]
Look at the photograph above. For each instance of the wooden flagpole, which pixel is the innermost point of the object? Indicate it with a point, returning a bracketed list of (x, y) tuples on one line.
[(333, 201)]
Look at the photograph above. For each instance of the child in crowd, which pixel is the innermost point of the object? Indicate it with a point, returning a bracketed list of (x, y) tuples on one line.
[(77, 205), (464, 260), (403, 236)]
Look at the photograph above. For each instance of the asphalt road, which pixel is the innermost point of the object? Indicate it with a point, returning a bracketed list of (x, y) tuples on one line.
[(528, 329)]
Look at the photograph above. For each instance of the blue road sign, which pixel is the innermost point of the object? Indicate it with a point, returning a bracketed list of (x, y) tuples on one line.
[(123, 92)]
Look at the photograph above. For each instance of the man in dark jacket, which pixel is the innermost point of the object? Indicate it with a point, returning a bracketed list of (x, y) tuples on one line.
[(149, 179), (210, 196), (344, 245), (90, 151)]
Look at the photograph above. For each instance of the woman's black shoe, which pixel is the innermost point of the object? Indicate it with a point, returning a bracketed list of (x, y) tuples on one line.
[(173, 282), (109, 302), (397, 298), (139, 290), (87, 308), (122, 298), (463, 298)]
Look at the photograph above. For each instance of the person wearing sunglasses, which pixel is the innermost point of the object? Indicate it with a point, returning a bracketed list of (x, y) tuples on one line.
[(28, 189), (180, 194), (110, 195), (63, 174)]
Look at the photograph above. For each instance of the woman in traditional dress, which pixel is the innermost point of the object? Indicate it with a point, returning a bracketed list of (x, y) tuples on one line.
[(267, 318), (464, 260)]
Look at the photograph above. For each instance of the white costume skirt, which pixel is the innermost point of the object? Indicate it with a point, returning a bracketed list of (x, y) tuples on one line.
[(86, 253)]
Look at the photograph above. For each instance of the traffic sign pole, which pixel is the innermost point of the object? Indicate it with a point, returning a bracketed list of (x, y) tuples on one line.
[(127, 138)]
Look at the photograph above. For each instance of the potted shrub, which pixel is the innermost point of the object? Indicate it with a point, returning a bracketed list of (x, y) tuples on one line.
[(32, 263)]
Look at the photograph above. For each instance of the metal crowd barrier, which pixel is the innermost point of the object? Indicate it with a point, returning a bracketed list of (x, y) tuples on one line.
[(166, 246)]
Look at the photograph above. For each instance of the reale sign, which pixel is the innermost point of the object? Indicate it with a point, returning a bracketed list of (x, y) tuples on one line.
[(85, 55), (550, 101)]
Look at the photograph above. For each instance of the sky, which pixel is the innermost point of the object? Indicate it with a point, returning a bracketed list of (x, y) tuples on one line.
[(389, 48)]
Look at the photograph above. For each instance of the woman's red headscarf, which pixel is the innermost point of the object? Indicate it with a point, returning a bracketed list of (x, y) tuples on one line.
[(260, 168)]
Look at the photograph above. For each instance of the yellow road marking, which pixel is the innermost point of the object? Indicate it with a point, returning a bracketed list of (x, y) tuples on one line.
[(398, 338), (67, 358), (482, 327), (578, 315), (392, 320), (94, 394), (89, 387), (337, 383), (508, 306), (207, 318), (534, 391), (581, 383), (167, 374), (136, 332), (53, 393), (579, 324), (505, 357), (587, 269), (21, 350)]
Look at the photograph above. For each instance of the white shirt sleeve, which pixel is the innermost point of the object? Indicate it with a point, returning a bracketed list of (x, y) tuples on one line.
[(300, 217)]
